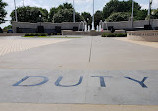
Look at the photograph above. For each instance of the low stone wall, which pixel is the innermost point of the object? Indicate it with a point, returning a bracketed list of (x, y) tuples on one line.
[(91, 33), (32, 27), (128, 24), (150, 36)]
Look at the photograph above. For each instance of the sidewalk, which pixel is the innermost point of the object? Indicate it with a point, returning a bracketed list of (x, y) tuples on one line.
[(72, 107)]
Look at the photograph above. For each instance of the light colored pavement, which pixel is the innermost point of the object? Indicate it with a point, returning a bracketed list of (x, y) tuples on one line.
[(128, 72), (145, 43), (74, 107), (106, 54), (72, 86), (16, 44)]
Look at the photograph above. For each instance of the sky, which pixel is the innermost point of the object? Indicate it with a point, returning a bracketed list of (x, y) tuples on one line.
[(80, 5)]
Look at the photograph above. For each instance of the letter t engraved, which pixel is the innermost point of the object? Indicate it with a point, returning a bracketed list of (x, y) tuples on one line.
[(102, 81)]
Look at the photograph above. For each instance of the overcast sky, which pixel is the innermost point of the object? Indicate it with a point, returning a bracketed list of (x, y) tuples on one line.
[(80, 5)]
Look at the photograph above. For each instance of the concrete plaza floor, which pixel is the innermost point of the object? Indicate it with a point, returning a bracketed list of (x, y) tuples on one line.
[(87, 70)]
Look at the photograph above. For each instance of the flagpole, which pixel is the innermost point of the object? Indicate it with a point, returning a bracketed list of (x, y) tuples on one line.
[(93, 17), (132, 12), (16, 17), (149, 10), (73, 11), (23, 3)]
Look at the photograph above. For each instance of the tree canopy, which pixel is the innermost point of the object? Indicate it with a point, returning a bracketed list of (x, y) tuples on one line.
[(7, 28), (114, 10), (140, 14), (97, 17), (118, 16), (55, 10), (30, 14), (66, 15), (65, 6), (155, 14), (87, 17), (119, 6), (3, 12)]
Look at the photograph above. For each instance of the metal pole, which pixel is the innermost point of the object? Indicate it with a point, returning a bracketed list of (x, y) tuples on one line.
[(16, 17), (132, 8), (73, 11), (93, 17), (149, 10), (132, 12), (23, 3)]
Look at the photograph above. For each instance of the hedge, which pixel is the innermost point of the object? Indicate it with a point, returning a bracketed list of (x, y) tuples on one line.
[(36, 34), (114, 35)]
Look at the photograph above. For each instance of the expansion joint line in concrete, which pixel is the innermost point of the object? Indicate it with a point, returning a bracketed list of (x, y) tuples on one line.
[(90, 53)]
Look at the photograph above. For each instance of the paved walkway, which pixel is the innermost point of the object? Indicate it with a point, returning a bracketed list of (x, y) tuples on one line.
[(91, 70), (145, 43), (16, 44), (73, 107), (74, 54)]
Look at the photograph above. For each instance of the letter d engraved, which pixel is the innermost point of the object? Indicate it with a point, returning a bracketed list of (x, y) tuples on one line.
[(45, 79)]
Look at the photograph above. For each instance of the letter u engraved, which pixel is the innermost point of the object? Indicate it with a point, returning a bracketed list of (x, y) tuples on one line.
[(57, 83)]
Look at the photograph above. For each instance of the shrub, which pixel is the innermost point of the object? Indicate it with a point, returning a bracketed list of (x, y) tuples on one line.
[(111, 35), (32, 34), (43, 34), (121, 35), (36, 34), (114, 35), (58, 33), (27, 34), (108, 35)]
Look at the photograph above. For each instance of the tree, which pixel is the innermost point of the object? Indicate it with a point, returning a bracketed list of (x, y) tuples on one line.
[(51, 13), (141, 15), (60, 7), (7, 28), (155, 14), (118, 16), (97, 17), (30, 14), (119, 6), (66, 15), (65, 6), (3, 13), (87, 17)]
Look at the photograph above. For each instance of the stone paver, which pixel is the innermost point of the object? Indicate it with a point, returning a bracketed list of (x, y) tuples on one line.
[(150, 44), (73, 107), (15, 44)]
